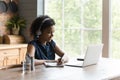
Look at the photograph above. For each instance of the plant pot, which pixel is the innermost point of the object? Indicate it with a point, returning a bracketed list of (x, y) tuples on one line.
[(15, 31)]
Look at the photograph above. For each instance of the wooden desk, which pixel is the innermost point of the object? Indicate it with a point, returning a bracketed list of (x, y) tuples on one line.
[(105, 69)]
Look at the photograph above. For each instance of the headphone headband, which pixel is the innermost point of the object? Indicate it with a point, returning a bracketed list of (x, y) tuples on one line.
[(39, 30), (44, 21)]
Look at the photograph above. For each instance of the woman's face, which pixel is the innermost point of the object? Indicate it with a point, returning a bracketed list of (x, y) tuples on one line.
[(47, 34)]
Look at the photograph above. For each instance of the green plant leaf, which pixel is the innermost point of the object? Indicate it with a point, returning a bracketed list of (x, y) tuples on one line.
[(16, 21)]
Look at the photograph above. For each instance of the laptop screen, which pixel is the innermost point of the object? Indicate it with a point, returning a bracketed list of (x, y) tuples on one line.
[(93, 54)]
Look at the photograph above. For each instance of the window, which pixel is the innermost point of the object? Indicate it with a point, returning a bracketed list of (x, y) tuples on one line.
[(78, 23), (115, 29)]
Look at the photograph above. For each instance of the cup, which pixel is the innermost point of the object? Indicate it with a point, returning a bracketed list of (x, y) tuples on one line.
[(32, 64)]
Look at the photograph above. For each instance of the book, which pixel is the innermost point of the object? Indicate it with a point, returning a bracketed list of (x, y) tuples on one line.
[(52, 64)]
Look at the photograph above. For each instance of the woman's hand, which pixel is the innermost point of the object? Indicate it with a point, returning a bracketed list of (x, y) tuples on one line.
[(62, 60), (59, 61)]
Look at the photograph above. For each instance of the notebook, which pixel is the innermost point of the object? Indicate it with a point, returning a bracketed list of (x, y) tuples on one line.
[(52, 64), (91, 57)]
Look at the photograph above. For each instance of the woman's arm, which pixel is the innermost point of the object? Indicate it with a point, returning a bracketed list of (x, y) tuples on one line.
[(60, 53), (31, 52)]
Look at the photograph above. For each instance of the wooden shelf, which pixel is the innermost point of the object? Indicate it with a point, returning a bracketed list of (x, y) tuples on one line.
[(11, 54)]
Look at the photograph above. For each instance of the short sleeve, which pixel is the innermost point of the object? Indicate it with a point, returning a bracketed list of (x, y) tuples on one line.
[(33, 42), (53, 43)]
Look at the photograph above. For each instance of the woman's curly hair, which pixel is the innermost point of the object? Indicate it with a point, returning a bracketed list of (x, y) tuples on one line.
[(39, 25)]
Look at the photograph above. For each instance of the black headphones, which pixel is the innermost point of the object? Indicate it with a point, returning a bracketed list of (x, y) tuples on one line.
[(38, 33)]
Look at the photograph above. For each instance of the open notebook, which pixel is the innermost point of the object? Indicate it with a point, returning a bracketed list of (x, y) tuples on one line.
[(52, 64), (91, 57)]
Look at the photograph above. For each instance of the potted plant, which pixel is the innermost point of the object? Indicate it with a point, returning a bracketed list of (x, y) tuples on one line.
[(15, 24)]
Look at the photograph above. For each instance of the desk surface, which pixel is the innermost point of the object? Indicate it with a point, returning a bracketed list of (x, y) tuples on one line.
[(106, 68)]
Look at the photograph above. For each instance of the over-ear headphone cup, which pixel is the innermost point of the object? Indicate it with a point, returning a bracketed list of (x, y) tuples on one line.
[(39, 33)]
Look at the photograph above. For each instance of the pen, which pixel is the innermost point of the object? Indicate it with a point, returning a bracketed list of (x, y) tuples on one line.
[(59, 62)]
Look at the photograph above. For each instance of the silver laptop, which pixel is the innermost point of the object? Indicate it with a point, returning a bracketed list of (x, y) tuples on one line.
[(91, 57)]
